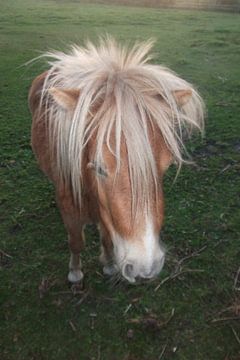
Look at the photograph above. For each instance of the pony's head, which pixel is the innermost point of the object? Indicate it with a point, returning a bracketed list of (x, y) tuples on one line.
[(119, 124)]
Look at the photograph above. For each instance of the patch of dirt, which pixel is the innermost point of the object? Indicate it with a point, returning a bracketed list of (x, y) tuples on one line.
[(15, 229), (216, 148)]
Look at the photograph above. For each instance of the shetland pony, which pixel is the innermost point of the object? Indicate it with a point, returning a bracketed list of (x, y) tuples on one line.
[(106, 126)]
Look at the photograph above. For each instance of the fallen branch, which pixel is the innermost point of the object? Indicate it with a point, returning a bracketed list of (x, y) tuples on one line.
[(178, 271), (177, 274), (193, 254)]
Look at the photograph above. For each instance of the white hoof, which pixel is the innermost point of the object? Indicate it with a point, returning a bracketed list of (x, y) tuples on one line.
[(110, 270), (75, 276)]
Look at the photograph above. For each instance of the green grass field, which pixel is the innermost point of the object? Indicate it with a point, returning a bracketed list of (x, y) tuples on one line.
[(194, 316)]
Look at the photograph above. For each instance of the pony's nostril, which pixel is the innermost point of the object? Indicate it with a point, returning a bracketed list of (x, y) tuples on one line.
[(128, 271), (153, 271)]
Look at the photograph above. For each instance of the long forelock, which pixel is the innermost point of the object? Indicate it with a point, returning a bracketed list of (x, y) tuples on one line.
[(126, 88)]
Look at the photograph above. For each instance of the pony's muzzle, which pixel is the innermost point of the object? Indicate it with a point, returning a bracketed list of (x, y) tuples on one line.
[(132, 272)]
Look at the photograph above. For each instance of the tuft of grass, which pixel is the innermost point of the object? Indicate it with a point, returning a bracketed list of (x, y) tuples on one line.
[(40, 316)]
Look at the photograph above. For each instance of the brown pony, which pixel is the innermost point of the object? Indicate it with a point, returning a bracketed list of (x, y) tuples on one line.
[(106, 126)]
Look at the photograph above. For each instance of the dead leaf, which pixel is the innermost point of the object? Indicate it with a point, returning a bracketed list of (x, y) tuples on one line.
[(130, 334), (152, 322), (45, 285)]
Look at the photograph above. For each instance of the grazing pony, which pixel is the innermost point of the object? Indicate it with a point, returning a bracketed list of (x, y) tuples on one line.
[(106, 126)]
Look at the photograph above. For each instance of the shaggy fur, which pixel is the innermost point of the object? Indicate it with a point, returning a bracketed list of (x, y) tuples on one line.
[(131, 96)]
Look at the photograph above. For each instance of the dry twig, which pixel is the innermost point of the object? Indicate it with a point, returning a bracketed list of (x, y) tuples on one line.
[(225, 319), (236, 335), (83, 298), (178, 270), (175, 275), (72, 326), (193, 254), (45, 285), (62, 292), (127, 309), (236, 280), (99, 353), (3, 253), (162, 352), (225, 169), (151, 322)]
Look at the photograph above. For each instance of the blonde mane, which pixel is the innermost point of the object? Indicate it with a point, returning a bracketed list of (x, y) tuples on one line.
[(129, 90)]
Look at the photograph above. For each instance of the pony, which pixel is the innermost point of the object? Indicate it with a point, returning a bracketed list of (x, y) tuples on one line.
[(107, 124)]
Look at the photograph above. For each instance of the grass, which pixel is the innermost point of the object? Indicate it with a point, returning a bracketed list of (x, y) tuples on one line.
[(40, 316)]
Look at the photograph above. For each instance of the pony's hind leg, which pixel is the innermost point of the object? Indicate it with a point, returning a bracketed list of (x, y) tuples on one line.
[(72, 221)]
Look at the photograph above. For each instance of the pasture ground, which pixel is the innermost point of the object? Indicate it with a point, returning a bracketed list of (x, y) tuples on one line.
[(195, 315)]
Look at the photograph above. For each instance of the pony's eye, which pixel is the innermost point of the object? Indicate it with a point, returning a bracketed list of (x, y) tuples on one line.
[(101, 171), (98, 168)]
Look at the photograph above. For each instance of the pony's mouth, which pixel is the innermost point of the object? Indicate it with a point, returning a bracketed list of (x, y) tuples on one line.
[(113, 270), (138, 280)]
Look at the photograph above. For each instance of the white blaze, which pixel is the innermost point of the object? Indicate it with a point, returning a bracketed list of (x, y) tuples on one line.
[(144, 253)]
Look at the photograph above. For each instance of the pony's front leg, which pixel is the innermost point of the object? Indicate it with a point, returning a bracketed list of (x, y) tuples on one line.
[(75, 273), (106, 256), (72, 221)]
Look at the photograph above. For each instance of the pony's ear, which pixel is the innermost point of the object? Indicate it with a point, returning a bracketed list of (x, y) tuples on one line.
[(182, 96), (65, 98)]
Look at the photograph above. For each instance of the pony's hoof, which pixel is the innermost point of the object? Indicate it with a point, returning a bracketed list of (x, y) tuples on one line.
[(75, 276), (110, 270)]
